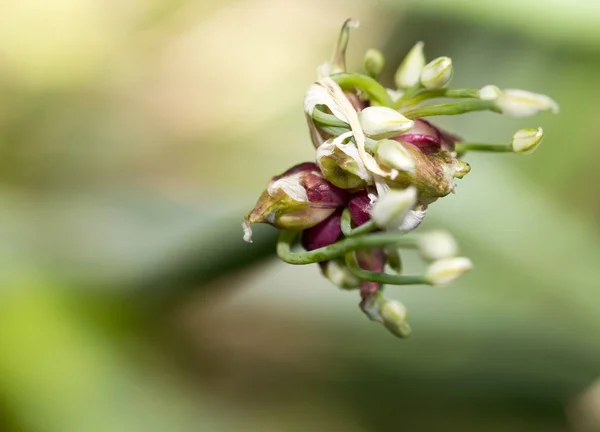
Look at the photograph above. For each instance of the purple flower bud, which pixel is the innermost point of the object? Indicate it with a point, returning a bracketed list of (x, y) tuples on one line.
[(372, 260), (360, 208), (324, 233), (298, 199), (428, 138)]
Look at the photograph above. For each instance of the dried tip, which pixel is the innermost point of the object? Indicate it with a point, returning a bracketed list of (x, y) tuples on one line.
[(247, 231)]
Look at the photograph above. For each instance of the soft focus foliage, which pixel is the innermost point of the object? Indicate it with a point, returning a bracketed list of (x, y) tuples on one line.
[(133, 136)]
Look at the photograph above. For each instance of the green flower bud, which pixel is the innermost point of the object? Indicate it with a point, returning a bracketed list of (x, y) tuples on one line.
[(437, 73), (379, 122), (393, 315), (374, 63), (409, 71), (525, 141)]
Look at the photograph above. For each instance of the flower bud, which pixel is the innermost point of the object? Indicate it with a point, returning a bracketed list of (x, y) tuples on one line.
[(437, 73), (525, 141), (394, 155), (445, 270), (489, 92), (298, 199), (341, 164), (462, 169), (391, 209), (409, 71), (360, 206), (380, 122), (374, 63), (339, 275), (437, 244), (324, 233), (522, 103), (393, 314), (433, 175)]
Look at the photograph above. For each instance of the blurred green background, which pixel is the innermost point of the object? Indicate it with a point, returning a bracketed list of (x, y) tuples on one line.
[(135, 134)]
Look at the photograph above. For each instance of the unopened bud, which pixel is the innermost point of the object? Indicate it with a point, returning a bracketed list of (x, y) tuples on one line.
[(393, 315), (446, 270), (394, 155), (525, 141), (360, 206), (409, 72), (374, 63), (324, 233), (437, 244), (298, 199), (437, 73), (380, 122), (339, 275), (522, 103), (341, 164), (489, 92), (462, 169), (391, 209)]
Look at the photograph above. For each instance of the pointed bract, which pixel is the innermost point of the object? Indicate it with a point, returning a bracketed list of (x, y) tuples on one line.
[(409, 72)]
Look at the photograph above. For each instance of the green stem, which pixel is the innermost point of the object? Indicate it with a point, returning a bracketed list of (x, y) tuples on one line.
[(336, 250), (347, 229), (376, 92), (382, 278), (499, 148), (324, 119), (450, 109), (441, 93)]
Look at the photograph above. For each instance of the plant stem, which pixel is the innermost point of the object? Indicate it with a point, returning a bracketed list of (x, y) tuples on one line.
[(450, 109), (376, 92), (382, 278), (441, 93), (336, 250), (347, 229), (324, 119), (499, 148)]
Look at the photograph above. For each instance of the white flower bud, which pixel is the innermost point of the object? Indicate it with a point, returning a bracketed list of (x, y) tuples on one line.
[(489, 92), (525, 141), (437, 244), (380, 122), (437, 73), (339, 275), (394, 155), (522, 103), (409, 72), (391, 209), (444, 271), (393, 314)]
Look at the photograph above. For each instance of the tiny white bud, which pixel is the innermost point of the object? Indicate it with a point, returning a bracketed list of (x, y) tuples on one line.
[(374, 63), (380, 122), (437, 244), (394, 155), (489, 92), (409, 71), (525, 141), (522, 103), (391, 209), (437, 73), (393, 314), (444, 271)]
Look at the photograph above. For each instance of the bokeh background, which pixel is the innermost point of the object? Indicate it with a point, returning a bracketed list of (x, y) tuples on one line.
[(134, 134)]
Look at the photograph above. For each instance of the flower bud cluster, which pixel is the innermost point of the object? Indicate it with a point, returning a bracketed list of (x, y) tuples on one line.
[(377, 168)]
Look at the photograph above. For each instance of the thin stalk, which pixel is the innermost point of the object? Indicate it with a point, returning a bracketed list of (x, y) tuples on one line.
[(450, 109), (347, 229), (382, 278), (376, 92), (336, 250), (464, 147)]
